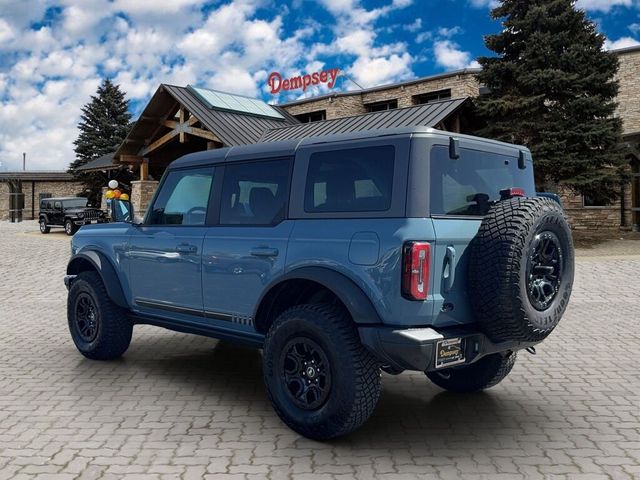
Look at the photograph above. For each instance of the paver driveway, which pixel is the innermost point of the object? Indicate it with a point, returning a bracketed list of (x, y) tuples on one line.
[(180, 406)]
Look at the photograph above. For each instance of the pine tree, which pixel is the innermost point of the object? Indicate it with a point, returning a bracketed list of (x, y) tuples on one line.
[(104, 125), (553, 88)]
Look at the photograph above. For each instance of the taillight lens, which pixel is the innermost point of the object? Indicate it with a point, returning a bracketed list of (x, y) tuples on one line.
[(416, 260)]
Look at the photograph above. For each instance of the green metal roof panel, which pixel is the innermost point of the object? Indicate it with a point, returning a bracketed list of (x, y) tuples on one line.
[(235, 103)]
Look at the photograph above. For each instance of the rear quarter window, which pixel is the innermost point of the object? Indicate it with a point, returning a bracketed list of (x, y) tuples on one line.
[(350, 180), (470, 184)]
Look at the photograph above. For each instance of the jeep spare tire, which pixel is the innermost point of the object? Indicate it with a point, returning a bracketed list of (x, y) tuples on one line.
[(521, 267)]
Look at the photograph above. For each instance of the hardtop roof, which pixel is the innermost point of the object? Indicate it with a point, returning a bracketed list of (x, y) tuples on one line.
[(288, 148)]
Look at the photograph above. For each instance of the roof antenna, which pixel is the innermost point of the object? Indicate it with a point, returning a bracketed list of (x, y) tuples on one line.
[(342, 74)]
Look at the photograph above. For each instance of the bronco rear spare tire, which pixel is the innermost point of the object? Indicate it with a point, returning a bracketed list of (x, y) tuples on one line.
[(521, 269)]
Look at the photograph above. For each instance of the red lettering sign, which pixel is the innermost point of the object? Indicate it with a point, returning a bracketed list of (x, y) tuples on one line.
[(277, 83)]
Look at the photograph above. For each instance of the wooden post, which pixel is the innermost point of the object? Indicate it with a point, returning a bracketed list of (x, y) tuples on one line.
[(144, 169)]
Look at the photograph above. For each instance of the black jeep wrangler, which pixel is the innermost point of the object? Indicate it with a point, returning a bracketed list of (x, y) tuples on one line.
[(68, 212)]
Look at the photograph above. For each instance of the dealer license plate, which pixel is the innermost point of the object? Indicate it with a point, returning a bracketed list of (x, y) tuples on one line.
[(449, 352)]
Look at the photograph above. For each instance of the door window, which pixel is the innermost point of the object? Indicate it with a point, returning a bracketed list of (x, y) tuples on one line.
[(255, 193), (351, 180), (183, 198)]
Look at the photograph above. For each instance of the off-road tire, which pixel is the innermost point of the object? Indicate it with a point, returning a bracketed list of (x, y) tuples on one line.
[(355, 373), (483, 374), (69, 227), (43, 226), (114, 329), (499, 281)]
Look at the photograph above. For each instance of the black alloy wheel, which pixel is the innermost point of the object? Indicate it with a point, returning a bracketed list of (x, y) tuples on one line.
[(305, 371), (544, 270), (86, 317)]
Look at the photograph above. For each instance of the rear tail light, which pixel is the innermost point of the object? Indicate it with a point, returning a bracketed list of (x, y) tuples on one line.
[(416, 259)]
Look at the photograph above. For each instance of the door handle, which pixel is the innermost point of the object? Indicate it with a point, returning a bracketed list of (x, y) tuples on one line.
[(186, 248), (449, 268), (264, 252)]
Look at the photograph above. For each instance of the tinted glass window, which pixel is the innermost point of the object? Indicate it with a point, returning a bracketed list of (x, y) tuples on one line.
[(57, 204), (75, 203), (183, 198), (470, 184), (255, 193), (352, 180)]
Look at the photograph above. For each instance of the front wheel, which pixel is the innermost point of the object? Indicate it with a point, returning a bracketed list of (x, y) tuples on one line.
[(483, 374), (69, 227), (321, 381), (99, 328)]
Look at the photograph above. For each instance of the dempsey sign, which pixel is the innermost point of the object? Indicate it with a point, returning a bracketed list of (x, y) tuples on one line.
[(277, 83)]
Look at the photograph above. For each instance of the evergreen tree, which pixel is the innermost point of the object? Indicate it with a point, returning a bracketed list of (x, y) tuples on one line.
[(553, 88), (103, 126)]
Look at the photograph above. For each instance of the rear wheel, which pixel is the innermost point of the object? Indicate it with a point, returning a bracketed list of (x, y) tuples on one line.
[(321, 381), (69, 227), (43, 226), (99, 328), (483, 374)]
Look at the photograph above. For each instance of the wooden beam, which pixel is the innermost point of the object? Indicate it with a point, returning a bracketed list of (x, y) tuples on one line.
[(192, 120), (160, 142), (170, 124), (133, 159), (181, 130), (199, 132), (144, 169)]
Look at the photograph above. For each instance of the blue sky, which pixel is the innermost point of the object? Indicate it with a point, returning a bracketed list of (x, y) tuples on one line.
[(53, 53)]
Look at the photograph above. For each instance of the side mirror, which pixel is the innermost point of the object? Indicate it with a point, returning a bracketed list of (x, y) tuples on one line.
[(121, 210)]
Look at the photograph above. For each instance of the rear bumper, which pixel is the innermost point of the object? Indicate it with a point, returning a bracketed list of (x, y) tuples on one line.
[(415, 348)]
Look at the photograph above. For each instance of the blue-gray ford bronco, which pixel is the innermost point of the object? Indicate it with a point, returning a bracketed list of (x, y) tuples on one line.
[(340, 257)]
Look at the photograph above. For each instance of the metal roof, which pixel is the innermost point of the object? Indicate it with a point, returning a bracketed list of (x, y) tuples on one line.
[(105, 162), (427, 115), (232, 128), (37, 176)]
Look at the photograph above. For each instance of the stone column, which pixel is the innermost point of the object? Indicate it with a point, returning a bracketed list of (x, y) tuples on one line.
[(141, 194), (4, 200)]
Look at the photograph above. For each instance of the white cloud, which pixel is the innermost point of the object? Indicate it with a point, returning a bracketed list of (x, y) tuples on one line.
[(52, 69), (602, 5), (448, 55), (624, 42), (449, 32), (635, 28), (484, 3)]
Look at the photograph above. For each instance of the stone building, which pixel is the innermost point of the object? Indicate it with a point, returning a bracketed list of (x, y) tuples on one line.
[(35, 185), (584, 213)]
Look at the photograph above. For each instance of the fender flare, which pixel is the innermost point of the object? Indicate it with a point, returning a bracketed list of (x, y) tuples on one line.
[(105, 269), (350, 294)]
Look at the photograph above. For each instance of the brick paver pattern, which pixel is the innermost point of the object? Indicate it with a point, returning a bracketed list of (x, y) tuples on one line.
[(181, 407)]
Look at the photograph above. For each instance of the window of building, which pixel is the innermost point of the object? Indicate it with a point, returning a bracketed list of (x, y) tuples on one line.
[(382, 106), (316, 116), (432, 96), (595, 200), (353, 180), (183, 198), (255, 193)]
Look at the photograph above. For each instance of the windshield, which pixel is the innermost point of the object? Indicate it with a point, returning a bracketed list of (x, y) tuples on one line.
[(79, 202), (470, 184)]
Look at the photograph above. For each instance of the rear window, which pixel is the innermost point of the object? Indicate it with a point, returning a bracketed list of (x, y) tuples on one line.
[(470, 184), (351, 180)]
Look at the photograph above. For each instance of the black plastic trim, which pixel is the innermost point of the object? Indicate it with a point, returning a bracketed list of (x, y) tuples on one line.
[(105, 269), (229, 334)]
